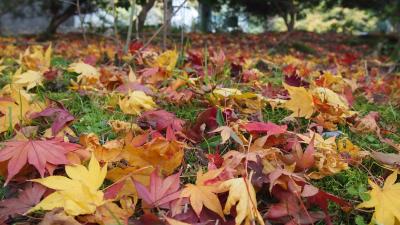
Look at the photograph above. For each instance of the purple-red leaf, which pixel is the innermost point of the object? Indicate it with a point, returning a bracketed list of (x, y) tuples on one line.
[(60, 114), (161, 119), (161, 192), (25, 200)]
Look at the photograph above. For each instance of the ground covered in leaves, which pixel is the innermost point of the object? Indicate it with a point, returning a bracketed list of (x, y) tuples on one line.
[(220, 129)]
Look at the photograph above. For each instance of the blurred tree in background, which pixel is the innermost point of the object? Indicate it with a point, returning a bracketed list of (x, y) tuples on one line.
[(289, 10)]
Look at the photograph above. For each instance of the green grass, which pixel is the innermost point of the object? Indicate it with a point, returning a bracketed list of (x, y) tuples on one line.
[(187, 112), (351, 184), (90, 113)]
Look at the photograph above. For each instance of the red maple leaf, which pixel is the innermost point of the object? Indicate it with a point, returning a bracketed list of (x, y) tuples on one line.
[(35, 152), (269, 128), (134, 46), (161, 192)]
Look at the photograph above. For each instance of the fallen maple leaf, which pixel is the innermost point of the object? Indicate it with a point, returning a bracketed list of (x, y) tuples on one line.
[(14, 107), (305, 160), (88, 73), (167, 60), (78, 194), (37, 59), (301, 101), (385, 200), (160, 152), (60, 114), (161, 192), (269, 128), (136, 102), (35, 152), (331, 98), (29, 79), (201, 194), (109, 152), (226, 133), (160, 120), (110, 214), (241, 192), (58, 216), (25, 200), (386, 158)]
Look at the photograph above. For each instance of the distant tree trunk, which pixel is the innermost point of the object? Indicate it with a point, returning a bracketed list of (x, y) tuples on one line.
[(290, 22), (56, 21), (143, 14), (290, 16), (205, 17)]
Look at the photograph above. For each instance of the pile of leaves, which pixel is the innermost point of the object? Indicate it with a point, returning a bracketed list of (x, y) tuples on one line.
[(264, 131)]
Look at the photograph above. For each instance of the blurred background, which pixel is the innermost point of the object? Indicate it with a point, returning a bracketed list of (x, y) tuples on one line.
[(47, 17), (305, 25)]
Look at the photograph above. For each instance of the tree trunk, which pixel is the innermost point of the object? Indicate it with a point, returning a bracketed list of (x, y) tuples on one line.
[(290, 16), (205, 17), (292, 21), (56, 21), (143, 13)]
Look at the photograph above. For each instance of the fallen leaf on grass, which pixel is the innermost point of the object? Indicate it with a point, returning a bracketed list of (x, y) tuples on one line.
[(160, 120), (77, 194), (109, 152), (269, 128), (35, 152), (300, 103), (201, 194), (242, 193), (26, 199), (385, 200), (29, 79), (160, 152), (60, 114), (386, 158), (87, 73), (161, 192), (136, 102)]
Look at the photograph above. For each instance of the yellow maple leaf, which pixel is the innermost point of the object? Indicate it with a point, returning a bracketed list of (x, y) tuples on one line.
[(87, 73), (330, 97), (28, 79), (77, 194), (226, 92), (241, 192), (386, 201), (14, 107), (201, 194), (36, 59), (127, 175), (167, 60), (136, 102), (301, 101)]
